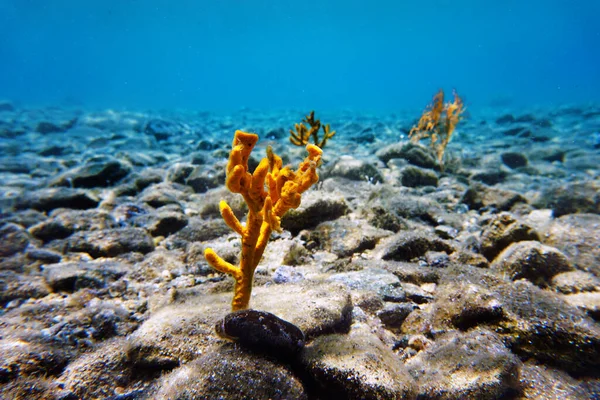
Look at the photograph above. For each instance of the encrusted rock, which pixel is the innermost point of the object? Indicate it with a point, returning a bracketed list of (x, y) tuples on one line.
[(502, 231), (315, 208), (406, 246), (475, 365), (531, 260), (356, 170), (577, 236), (228, 373), (344, 237), (479, 195), (415, 177), (575, 282), (356, 365), (13, 239), (111, 242), (94, 174), (71, 276), (51, 198)]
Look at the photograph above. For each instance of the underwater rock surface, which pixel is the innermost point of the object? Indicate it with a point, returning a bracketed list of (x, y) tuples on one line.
[(481, 280)]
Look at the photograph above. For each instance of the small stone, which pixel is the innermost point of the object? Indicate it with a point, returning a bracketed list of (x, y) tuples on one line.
[(514, 160), (393, 315), (417, 177)]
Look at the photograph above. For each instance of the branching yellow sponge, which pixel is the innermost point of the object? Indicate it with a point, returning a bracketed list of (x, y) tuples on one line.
[(269, 192)]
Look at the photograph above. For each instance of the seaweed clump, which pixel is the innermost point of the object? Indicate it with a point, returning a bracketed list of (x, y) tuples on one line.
[(438, 123), (301, 134)]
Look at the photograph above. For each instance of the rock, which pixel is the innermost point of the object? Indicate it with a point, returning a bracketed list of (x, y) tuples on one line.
[(103, 173), (571, 198), (437, 259), (577, 236), (575, 282), (406, 246), (357, 366), (134, 183), (382, 218), (369, 279), (550, 154), (513, 159), (16, 286), (72, 276), (43, 256), (412, 272), (25, 218), (46, 127), (163, 129), (316, 207), (420, 207), (415, 154), (588, 302), (344, 237), (63, 223), (419, 156), (287, 274), (228, 373), (164, 194), (52, 198), (501, 231), (104, 372), (518, 131), (446, 232), (467, 257), (54, 151), (532, 322), (543, 382), (416, 177), (355, 170), (110, 242), (393, 315), (198, 230), (22, 358), (478, 196), (490, 176), (13, 239), (183, 331), (461, 305), (538, 327), (531, 260), (276, 133), (179, 172), (6, 105), (505, 119), (473, 365), (202, 179), (416, 294), (162, 222)]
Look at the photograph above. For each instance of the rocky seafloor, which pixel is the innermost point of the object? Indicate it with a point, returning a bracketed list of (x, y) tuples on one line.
[(481, 281)]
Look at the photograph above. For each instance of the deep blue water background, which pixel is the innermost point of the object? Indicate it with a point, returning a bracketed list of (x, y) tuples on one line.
[(367, 55)]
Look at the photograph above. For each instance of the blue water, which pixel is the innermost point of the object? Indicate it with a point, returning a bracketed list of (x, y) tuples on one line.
[(367, 55)]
